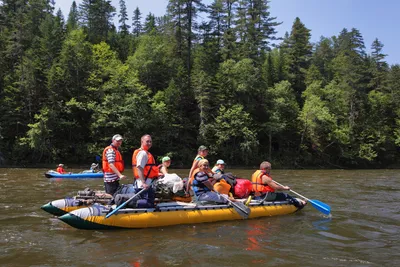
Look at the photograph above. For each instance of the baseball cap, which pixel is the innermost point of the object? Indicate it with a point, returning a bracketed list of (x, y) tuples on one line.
[(117, 137), (220, 161), (164, 159), (60, 165), (201, 148)]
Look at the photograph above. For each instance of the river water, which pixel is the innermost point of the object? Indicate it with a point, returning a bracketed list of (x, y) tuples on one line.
[(363, 229)]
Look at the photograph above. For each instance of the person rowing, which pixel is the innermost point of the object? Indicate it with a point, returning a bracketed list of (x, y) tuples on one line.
[(265, 188)]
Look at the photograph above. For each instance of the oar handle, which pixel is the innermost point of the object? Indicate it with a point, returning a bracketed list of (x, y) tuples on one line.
[(293, 191)]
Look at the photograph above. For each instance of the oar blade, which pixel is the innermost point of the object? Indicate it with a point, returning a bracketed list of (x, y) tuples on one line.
[(242, 209), (321, 206)]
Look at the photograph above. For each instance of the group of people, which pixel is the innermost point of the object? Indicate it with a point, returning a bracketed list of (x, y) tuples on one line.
[(93, 168), (207, 184)]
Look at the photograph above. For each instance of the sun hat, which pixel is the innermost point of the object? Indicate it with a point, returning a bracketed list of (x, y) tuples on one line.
[(164, 159), (60, 165), (117, 137), (94, 165), (220, 161), (201, 148)]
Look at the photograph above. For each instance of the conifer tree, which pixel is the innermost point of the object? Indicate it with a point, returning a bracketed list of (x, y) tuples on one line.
[(96, 16), (299, 55), (73, 17), (136, 22), (123, 18), (150, 24)]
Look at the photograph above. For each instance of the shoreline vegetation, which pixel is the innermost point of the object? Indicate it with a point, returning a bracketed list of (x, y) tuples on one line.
[(69, 83)]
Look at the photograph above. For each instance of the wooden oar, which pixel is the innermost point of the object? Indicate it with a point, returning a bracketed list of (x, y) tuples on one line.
[(319, 205), (126, 202), (240, 208)]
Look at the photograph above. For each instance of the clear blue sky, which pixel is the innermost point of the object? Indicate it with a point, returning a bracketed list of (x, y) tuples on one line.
[(374, 19)]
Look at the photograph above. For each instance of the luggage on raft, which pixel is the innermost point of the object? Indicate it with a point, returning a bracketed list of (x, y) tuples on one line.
[(243, 188)]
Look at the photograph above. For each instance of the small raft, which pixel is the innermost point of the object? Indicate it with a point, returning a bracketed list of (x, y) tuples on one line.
[(54, 174), (166, 214)]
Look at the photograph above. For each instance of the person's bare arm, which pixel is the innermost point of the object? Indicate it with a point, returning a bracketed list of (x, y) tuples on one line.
[(209, 185), (194, 166), (267, 180), (164, 171), (116, 171), (141, 176)]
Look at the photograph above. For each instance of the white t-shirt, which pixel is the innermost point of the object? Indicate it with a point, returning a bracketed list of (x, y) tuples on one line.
[(141, 159)]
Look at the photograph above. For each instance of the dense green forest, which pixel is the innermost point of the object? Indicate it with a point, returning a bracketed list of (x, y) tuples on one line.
[(67, 84)]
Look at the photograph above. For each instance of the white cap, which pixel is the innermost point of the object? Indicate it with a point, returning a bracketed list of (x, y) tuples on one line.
[(117, 137), (220, 161)]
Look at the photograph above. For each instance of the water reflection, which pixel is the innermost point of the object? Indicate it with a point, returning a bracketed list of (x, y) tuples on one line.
[(322, 224)]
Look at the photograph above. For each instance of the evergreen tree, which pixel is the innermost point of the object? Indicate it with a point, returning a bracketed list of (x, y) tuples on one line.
[(299, 55), (149, 24), (255, 28), (73, 17), (136, 22), (96, 17), (322, 58), (123, 18), (379, 68)]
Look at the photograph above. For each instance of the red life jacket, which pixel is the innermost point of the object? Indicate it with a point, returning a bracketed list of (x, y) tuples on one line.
[(60, 170), (258, 185), (150, 170), (119, 162)]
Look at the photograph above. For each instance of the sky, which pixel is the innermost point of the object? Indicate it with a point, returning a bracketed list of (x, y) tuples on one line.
[(374, 19)]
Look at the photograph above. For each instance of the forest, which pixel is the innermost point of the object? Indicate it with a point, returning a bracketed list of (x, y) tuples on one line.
[(68, 84)]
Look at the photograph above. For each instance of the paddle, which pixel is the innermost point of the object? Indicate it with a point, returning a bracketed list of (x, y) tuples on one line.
[(126, 202), (240, 208), (319, 205)]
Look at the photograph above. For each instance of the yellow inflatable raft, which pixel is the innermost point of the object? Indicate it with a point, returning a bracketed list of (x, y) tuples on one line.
[(176, 213)]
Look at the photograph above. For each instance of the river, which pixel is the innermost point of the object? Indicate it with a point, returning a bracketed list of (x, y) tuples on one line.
[(363, 229)]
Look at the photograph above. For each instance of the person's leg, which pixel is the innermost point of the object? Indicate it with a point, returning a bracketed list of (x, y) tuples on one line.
[(284, 196), (112, 187)]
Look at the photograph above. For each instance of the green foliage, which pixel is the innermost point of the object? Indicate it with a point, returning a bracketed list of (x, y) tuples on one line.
[(66, 88), (234, 134)]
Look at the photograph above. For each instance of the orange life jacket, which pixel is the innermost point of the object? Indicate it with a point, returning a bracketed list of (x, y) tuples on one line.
[(60, 170), (150, 170), (258, 185), (119, 162), (222, 187), (193, 174)]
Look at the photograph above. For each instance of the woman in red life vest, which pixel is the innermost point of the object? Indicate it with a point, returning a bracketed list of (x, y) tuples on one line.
[(113, 165)]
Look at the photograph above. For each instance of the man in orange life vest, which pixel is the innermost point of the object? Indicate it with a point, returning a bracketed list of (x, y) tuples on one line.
[(113, 165), (143, 164), (264, 187)]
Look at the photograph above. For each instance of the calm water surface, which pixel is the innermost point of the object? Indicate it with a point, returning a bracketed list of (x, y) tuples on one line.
[(364, 229)]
